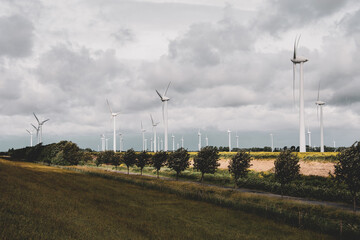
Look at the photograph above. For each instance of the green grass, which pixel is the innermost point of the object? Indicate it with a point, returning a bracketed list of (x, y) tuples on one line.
[(40, 202)]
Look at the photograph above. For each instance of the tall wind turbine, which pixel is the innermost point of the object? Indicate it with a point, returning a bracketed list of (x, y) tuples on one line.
[(143, 136), (173, 142), (309, 135), (301, 61), (40, 124), (272, 142), (31, 134), (164, 99), (199, 144), (320, 104), (237, 141), (229, 133), (154, 124), (37, 133), (113, 115)]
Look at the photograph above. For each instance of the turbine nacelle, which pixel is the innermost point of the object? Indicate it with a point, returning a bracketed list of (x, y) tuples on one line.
[(299, 60), (320, 103)]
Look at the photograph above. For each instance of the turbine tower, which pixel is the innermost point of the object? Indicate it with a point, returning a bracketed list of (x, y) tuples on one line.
[(320, 104), (229, 133), (199, 144), (37, 133), (154, 124), (309, 135), (182, 142), (272, 142), (173, 142), (206, 141), (31, 134), (40, 124), (120, 142), (237, 141), (102, 142), (143, 136), (113, 115), (164, 99), (301, 61)]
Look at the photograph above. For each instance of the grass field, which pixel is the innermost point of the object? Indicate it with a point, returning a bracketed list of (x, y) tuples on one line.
[(40, 202)]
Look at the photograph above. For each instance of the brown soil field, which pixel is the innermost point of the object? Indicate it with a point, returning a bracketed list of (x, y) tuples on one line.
[(306, 168)]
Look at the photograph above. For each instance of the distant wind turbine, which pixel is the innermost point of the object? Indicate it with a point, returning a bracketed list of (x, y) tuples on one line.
[(173, 142), (229, 133), (31, 135), (301, 61), (164, 99), (102, 142), (206, 140), (182, 142), (199, 144), (237, 141), (113, 115), (309, 136), (154, 124), (37, 133), (272, 142), (143, 136), (320, 104), (40, 124)]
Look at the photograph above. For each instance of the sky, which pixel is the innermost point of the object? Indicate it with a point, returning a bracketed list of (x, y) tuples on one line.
[(228, 63)]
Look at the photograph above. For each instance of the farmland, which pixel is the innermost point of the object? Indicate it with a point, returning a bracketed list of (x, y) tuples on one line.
[(41, 202)]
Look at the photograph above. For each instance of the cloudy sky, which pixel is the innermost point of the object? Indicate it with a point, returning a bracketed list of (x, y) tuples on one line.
[(228, 63)]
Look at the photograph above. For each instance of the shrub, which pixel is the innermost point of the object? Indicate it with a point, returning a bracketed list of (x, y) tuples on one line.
[(179, 161), (158, 160), (143, 159), (206, 160), (129, 158), (239, 165)]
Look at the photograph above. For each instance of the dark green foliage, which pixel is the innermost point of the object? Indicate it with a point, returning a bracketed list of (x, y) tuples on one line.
[(143, 159), (179, 161), (86, 157), (206, 160), (287, 167), (347, 170), (116, 160), (239, 165), (129, 158), (158, 160)]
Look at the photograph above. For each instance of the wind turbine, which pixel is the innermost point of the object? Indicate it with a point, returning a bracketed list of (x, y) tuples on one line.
[(40, 127), (102, 142), (37, 133), (173, 142), (272, 142), (320, 104), (229, 133), (151, 144), (164, 99), (154, 124), (301, 61), (199, 144), (182, 142), (309, 135), (143, 136), (206, 141), (237, 141), (31, 134), (113, 115)]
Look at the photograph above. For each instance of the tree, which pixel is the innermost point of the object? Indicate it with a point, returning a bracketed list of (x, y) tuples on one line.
[(347, 170), (239, 165), (129, 158), (179, 161), (143, 159), (287, 168), (116, 160), (158, 160), (206, 160)]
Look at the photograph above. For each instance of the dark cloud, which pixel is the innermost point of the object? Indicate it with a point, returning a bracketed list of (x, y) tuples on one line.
[(278, 16), (16, 36)]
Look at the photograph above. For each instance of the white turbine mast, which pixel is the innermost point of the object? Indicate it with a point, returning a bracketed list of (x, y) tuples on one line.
[(272, 142), (113, 115), (37, 133), (301, 61), (199, 136), (309, 136), (102, 142), (143, 136), (173, 142), (182, 142), (237, 141), (320, 104), (31, 135), (120, 142), (206, 140), (229, 134), (40, 124), (154, 124), (164, 99)]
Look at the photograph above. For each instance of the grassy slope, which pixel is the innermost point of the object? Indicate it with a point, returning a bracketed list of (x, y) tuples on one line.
[(39, 202)]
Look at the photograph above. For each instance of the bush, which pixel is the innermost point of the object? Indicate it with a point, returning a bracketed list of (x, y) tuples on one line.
[(206, 160), (158, 160), (179, 161), (239, 165), (129, 158), (143, 159)]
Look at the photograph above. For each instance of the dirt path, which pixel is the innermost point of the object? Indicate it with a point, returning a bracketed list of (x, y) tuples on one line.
[(306, 168)]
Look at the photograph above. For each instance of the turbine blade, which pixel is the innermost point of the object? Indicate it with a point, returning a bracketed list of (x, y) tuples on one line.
[(44, 121), (107, 101), (152, 120), (294, 57), (28, 131), (167, 88), (141, 126), (36, 118), (159, 94)]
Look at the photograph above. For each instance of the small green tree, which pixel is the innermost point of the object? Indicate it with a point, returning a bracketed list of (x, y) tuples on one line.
[(116, 160), (158, 160), (239, 165), (179, 161), (287, 168), (347, 170), (206, 160), (143, 159), (129, 158)]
